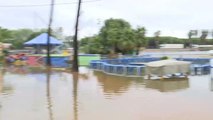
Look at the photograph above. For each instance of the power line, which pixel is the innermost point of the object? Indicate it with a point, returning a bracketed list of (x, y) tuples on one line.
[(45, 5)]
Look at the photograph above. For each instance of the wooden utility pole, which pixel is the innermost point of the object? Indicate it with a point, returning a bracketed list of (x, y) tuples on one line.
[(49, 33), (75, 40)]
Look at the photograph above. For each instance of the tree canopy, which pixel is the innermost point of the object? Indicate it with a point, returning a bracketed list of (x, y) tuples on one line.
[(116, 36), (19, 36)]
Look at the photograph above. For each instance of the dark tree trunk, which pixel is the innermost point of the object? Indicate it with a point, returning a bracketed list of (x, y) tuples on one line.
[(137, 50)]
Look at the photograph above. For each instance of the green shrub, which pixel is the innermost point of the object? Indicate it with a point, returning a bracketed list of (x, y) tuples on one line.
[(164, 58)]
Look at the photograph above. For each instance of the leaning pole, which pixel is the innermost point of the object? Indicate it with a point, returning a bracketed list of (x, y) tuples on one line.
[(75, 41), (49, 33)]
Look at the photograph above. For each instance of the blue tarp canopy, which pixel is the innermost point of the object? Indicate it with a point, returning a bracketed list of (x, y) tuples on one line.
[(42, 40)]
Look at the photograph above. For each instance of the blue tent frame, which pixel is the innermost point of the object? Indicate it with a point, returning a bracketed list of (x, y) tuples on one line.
[(41, 40)]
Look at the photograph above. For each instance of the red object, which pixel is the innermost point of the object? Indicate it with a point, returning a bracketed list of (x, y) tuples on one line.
[(35, 61)]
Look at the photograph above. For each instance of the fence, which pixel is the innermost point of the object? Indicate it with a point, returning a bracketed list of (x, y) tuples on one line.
[(121, 66), (124, 66)]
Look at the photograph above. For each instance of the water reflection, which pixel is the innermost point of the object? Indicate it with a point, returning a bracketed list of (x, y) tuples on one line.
[(25, 70), (54, 95), (211, 79), (49, 101), (168, 85), (75, 77), (1, 85), (5, 88), (211, 85), (17, 69), (114, 85), (75, 95), (1, 81)]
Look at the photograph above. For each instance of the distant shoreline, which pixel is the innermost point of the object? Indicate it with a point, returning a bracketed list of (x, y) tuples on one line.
[(171, 52)]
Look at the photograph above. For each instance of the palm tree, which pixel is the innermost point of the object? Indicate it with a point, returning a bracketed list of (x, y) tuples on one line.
[(139, 38), (190, 34), (203, 36), (157, 35), (212, 34), (190, 40)]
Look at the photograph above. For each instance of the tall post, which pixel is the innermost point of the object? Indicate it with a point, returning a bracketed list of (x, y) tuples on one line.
[(49, 33), (75, 40)]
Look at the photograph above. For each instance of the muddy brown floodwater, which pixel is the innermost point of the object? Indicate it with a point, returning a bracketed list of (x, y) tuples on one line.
[(33, 94)]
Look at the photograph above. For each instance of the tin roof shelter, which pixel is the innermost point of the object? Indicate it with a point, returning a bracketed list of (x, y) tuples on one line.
[(42, 40), (166, 67)]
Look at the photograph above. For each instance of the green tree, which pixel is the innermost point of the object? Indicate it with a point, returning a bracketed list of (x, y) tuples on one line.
[(157, 36), (190, 39), (92, 45), (15, 37), (115, 36), (203, 36), (20, 36), (127, 44), (190, 34), (35, 34), (140, 38), (5, 35)]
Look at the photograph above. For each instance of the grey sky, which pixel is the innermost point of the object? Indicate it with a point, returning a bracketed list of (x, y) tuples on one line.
[(172, 17)]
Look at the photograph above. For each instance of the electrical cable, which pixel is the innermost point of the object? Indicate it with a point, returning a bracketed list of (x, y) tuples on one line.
[(45, 5)]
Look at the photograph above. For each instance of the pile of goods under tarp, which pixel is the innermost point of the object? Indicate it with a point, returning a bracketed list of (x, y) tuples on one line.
[(17, 59)]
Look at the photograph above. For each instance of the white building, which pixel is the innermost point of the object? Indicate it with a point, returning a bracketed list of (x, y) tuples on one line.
[(178, 46)]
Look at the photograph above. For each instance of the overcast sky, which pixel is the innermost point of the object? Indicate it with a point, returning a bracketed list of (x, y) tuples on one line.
[(171, 17)]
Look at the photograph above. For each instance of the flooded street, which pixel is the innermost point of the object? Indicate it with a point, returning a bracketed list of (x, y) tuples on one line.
[(34, 94)]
